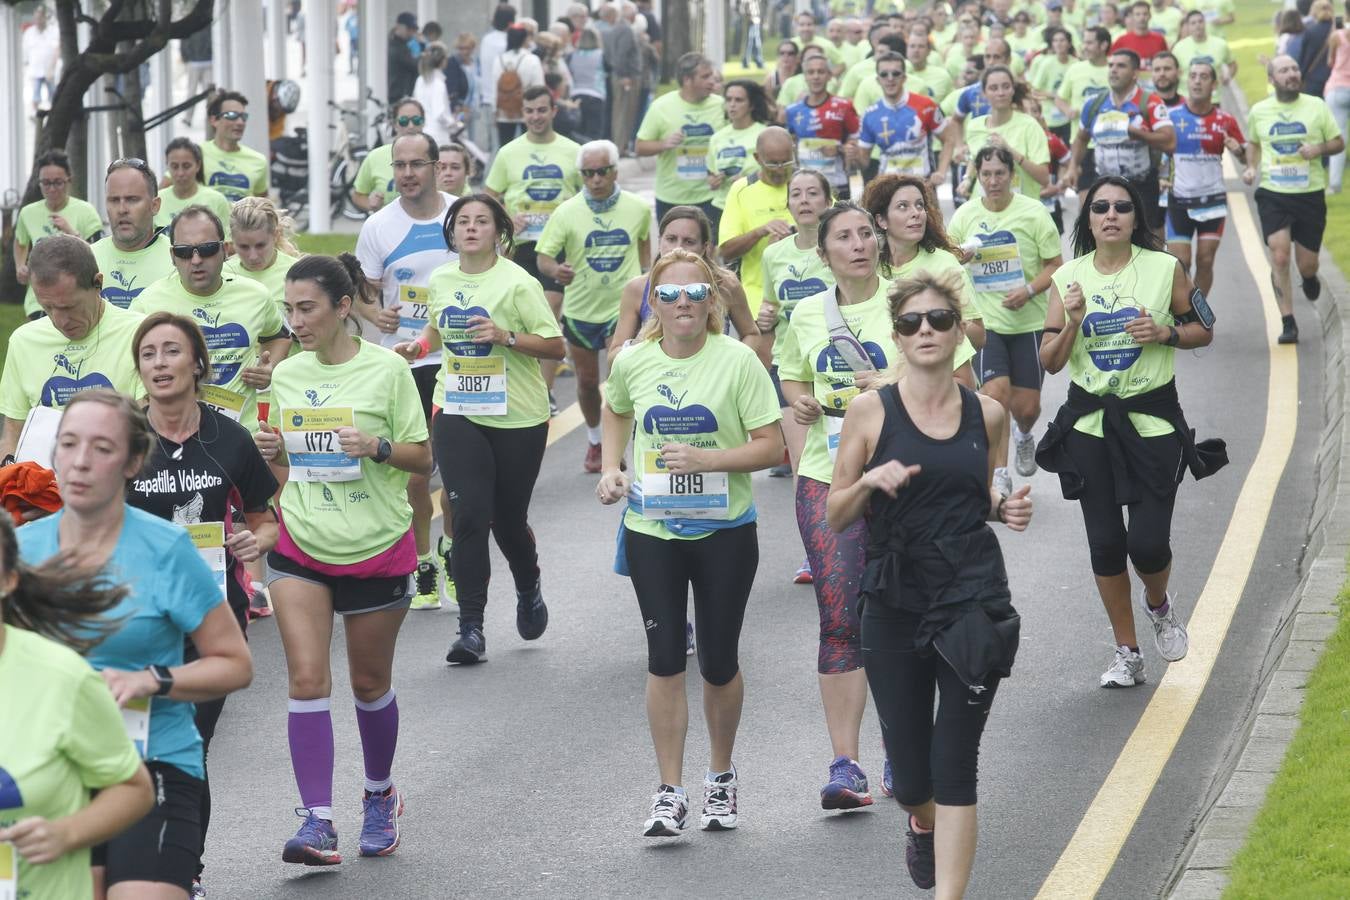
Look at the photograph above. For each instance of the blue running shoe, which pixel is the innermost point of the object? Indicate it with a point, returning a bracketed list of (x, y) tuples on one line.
[(379, 831), (315, 844), (887, 784), (847, 787)]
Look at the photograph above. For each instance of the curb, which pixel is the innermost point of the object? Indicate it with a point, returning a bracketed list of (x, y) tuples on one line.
[(1309, 619)]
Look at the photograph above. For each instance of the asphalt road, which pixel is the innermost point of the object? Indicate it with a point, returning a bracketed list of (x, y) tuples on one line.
[(530, 776)]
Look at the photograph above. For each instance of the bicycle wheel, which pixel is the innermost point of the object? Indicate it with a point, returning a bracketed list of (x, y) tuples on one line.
[(350, 208)]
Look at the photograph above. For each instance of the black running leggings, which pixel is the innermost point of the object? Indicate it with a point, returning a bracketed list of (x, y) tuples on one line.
[(489, 475), (1148, 539), (721, 567), (933, 757)]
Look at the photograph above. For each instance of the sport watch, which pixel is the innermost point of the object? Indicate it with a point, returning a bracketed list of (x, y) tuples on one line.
[(164, 677), (384, 451)]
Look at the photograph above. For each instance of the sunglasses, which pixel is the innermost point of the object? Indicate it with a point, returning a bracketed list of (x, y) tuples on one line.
[(205, 251), (603, 170), (415, 165), (670, 293), (234, 115), (778, 166), (405, 121), (890, 74), (129, 162), (1102, 207), (941, 320)]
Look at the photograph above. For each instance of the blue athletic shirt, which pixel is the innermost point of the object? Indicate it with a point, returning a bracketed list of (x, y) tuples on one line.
[(972, 102), (171, 591)]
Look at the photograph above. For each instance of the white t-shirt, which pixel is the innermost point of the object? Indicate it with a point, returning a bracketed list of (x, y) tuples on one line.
[(41, 48), (401, 252)]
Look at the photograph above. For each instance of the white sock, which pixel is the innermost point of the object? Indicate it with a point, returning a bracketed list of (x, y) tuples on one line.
[(377, 787), (1017, 432), (593, 434), (713, 776), (322, 812)]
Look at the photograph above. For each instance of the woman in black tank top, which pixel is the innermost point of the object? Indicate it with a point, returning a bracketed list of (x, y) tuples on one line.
[(916, 458)]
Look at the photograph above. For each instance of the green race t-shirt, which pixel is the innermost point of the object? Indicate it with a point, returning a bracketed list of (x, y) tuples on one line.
[(1047, 76), (71, 741), (170, 205), (1167, 22), (513, 300), (848, 86), (1213, 10), (1023, 134), (1212, 50), (273, 277), (127, 273), (713, 400), (682, 173), (938, 261), (535, 179), (1015, 241), (1105, 359), (1280, 129), (602, 249), (376, 174), (1082, 81), (35, 223), (933, 82), (732, 153), (790, 275), (346, 522), (46, 368), (236, 174), (750, 204), (236, 320)]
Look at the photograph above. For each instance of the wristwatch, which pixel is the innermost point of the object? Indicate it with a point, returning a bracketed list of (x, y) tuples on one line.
[(164, 677), (510, 339), (384, 451), (1174, 337)]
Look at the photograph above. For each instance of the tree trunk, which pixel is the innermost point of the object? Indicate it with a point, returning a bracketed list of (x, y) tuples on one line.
[(677, 33)]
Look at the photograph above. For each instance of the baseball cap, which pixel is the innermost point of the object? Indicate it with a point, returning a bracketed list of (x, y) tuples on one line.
[(407, 20)]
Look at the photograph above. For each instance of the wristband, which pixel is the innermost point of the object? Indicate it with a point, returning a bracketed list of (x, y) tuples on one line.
[(423, 344)]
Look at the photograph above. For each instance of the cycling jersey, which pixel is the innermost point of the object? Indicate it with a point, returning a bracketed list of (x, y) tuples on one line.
[(1199, 154), (1116, 152), (901, 133), (816, 127)]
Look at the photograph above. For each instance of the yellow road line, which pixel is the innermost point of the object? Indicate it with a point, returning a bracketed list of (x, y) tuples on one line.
[(561, 425), (1091, 853)]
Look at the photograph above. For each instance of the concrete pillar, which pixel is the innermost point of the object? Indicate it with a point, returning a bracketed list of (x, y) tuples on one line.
[(426, 12), (276, 39), (96, 142), (375, 48), (221, 58), (14, 153), (161, 98), (247, 77), (715, 33), (319, 25)]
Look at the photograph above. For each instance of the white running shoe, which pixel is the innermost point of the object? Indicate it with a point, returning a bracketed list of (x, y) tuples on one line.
[(670, 813), (719, 802), (1003, 481), (1127, 669), (1025, 459), (1168, 632)]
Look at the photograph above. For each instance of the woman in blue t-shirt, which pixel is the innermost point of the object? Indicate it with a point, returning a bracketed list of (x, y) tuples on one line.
[(101, 444)]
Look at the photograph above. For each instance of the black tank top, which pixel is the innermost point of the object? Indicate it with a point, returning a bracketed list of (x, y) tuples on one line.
[(951, 495)]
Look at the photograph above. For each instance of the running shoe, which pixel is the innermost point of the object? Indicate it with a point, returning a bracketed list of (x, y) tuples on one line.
[(847, 787), (591, 464), (1025, 455), (470, 648), (379, 829), (688, 638), (670, 813), (531, 613), (259, 606), (782, 470), (1290, 333), (427, 596), (198, 892), (887, 782), (449, 595), (719, 802), (803, 575), (1003, 481), (1127, 669), (919, 857), (1168, 632), (315, 844), (1312, 287), (552, 405), (565, 368)]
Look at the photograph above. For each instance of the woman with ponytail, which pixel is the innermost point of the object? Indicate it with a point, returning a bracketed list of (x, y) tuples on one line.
[(262, 245)]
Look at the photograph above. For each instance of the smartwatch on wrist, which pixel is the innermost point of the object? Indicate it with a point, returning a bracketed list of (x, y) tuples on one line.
[(164, 677), (383, 451), (510, 339), (1174, 336)]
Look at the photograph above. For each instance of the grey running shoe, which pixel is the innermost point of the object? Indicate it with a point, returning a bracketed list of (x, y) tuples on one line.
[(1127, 669), (1168, 632), (1025, 459), (1003, 481)]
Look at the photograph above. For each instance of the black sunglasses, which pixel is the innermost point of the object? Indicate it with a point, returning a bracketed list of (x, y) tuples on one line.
[(232, 115), (205, 251), (1102, 207), (405, 121), (603, 170), (941, 319)]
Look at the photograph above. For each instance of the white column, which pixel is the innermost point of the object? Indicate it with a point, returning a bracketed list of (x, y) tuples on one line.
[(246, 28), (375, 47), (161, 98), (714, 32), (276, 39), (221, 58), (319, 91), (14, 151), (426, 12)]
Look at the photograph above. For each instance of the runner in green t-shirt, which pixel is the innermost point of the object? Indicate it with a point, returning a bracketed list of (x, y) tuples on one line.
[(1015, 251), (1199, 45), (1007, 126), (135, 254), (922, 75), (374, 183), (187, 185), (676, 130), (492, 427), (1086, 78), (82, 342), (756, 213), (263, 248), (231, 168), (1046, 77), (244, 329), (731, 153), (602, 233), (1288, 136), (56, 213)]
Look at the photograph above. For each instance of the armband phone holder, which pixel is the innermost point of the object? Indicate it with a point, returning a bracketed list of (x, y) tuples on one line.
[(1200, 306)]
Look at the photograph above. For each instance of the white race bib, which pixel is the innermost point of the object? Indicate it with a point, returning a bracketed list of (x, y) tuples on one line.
[(811, 154), (666, 496), (692, 164), (412, 314), (311, 439), (997, 269), (837, 399), (9, 872), (1111, 127), (904, 164), (1208, 213), (1290, 172), (229, 404), (136, 720), (209, 539), (475, 386)]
